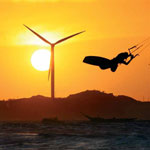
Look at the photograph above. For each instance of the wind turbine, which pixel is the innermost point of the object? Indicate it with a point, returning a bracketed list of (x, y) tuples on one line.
[(51, 68)]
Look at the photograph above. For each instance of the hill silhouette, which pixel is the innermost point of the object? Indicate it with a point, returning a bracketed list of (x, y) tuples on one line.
[(93, 103)]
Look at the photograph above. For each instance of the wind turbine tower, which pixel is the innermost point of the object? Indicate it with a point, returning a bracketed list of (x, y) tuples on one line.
[(51, 67)]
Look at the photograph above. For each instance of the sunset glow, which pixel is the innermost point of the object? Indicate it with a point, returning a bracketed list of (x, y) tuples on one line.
[(26, 38)]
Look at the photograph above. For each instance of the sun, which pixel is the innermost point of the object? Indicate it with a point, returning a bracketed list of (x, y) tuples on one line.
[(40, 59)]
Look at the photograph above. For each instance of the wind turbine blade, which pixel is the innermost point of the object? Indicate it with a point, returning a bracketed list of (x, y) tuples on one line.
[(49, 71), (42, 38), (68, 37)]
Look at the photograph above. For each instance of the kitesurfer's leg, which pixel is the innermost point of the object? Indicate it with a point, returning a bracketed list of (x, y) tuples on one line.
[(114, 67)]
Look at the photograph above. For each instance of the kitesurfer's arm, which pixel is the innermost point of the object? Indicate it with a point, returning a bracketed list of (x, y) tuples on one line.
[(126, 63), (131, 57)]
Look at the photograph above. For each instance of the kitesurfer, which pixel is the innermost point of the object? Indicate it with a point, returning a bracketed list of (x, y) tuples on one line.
[(105, 63), (121, 58)]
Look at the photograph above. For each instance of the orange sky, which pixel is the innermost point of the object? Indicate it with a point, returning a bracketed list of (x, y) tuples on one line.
[(111, 27)]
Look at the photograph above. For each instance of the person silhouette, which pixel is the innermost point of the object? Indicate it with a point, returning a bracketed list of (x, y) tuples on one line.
[(105, 63)]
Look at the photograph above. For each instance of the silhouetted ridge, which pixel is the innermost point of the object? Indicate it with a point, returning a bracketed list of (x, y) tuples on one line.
[(39, 97), (87, 93), (95, 94), (126, 98), (93, 103)]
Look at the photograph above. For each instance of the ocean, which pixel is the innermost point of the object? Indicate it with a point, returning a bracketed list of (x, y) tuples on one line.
[(74, 136)]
